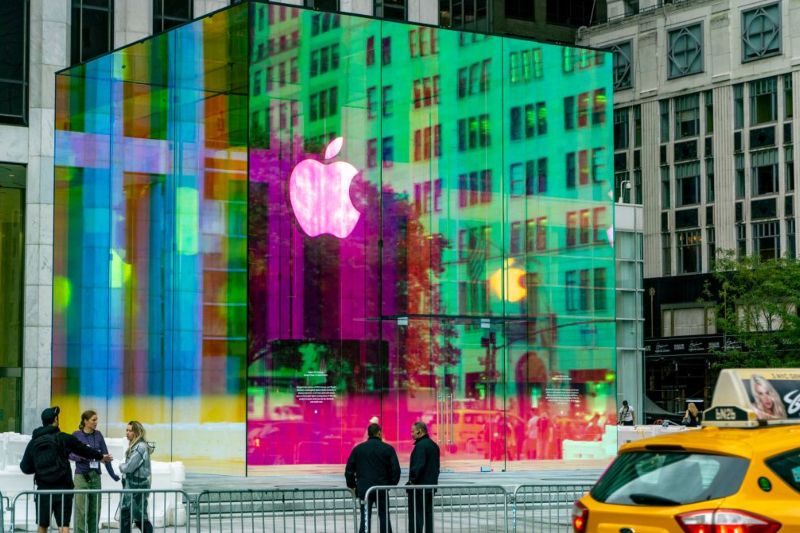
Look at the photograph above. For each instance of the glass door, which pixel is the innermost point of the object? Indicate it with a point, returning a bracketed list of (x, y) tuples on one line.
[(449, 374)]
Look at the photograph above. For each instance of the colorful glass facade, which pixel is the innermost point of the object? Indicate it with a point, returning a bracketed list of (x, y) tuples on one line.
[(275, 223)]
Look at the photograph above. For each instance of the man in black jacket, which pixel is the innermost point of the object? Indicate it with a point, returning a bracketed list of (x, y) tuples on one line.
[(423, 470), (47, 458), (373, 463)]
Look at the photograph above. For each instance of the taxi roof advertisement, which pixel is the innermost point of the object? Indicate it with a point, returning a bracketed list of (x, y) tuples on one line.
[(773, 393)]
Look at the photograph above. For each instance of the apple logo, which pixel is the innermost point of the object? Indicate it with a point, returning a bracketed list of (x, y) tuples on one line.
[(320, 195), (514, 289)]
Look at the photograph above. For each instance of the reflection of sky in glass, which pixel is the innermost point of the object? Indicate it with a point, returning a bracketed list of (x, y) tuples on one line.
[(193, 266)]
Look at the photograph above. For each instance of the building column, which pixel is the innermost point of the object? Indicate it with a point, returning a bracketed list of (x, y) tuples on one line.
[(133, 21), (49, 49)]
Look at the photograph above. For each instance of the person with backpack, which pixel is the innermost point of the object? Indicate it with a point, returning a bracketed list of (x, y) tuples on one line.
[(136, 472), (46, 457)]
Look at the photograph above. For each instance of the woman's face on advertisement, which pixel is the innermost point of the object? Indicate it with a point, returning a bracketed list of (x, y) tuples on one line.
[(764, 397)]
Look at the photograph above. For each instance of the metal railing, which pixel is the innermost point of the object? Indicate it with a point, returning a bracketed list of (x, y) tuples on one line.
[(450, 507), (545, 507), (539, 508), (307, 510), (96, 509)]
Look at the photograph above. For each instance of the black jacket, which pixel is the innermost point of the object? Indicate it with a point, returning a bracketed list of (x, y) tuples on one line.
[(424, 466), (371, 463), (68, 443)]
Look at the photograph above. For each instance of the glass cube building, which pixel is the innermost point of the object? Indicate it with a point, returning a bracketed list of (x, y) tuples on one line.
[(274, 224)]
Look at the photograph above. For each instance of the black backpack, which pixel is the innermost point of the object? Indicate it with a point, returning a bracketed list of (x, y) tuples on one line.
[(48, 459)]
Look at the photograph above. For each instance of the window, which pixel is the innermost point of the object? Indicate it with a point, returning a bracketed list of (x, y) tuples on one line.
[(687, 116), (14, 23), (766, 239), (600, 298), (764, 172), (572, 228), (583, 290), (516, 123), (386, 51), (370, 51), (520, 10), (761, 32), (372, 153), (621, 129), (371, 103), (571, 170), (623, 63), (170, 13), (569, 290), (599, 109), (387, 103), (92, 29), (390, 9), (687, 180), (763, 100), (569, 113), (666, 253), (515, 238), (541, 234), (631, 7), (685, 51), (689, 251), (388, 152)]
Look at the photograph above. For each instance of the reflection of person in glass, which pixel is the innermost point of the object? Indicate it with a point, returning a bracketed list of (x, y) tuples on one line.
[(766, 401)]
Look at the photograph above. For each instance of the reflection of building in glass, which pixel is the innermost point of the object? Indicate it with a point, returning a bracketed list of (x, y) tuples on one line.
[(474, 290)]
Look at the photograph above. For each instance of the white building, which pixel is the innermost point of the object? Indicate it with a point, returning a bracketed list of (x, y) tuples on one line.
[(704, 130)]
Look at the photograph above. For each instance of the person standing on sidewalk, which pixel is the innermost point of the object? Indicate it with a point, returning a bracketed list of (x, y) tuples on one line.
[(423, 470), (626, 416), (87, 474), (373, 463), (46, 457), (136, 471)]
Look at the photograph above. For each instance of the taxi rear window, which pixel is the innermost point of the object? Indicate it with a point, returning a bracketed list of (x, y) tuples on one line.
[(787, 467), (665, 478)]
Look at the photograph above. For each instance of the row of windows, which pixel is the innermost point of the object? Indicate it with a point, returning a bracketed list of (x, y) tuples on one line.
[(535, 121), (760, 38), (591, 109)]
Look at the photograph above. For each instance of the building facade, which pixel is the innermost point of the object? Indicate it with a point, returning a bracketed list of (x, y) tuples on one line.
[(705, 133), (276, 223)]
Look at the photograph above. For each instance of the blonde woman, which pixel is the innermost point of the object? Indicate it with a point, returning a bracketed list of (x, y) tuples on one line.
[(766, 401), (691, 418), (136, 475)]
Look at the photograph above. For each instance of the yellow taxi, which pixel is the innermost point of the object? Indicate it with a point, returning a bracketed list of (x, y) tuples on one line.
[(739, 473)]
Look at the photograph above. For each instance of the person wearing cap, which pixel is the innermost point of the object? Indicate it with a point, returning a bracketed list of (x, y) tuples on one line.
[(58, 475)]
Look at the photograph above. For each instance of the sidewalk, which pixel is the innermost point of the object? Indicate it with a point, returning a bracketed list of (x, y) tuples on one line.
[(290, 477)]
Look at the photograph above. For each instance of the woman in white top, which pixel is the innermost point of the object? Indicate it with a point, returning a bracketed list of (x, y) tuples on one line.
[(626, 415)]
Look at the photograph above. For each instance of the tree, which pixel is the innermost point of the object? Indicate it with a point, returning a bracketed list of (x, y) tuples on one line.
[(756, 303)]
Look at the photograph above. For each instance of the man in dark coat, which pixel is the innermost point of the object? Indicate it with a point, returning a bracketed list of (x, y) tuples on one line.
[(423, 470), (47, 458), (372, 463)]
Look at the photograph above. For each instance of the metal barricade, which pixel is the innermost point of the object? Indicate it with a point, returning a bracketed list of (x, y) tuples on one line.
[(448, 508), (545, 507), (3, 505), (286, 510), (164, 510)]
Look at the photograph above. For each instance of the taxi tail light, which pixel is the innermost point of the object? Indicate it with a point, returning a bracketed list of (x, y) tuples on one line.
[(580, 517), (726, 521)]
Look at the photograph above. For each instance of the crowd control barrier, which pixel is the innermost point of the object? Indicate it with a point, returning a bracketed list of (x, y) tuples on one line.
[(300, 510), (535, 508), (452, 508), (545, 507), (165, 509)]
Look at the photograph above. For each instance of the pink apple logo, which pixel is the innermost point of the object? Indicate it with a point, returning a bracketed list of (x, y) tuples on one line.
[(320, 195)]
